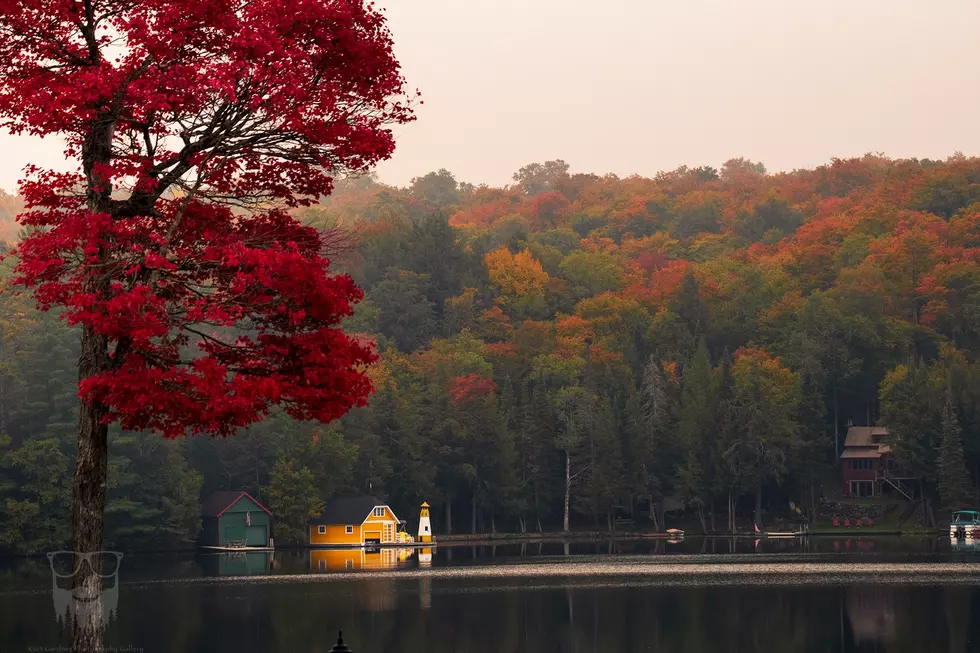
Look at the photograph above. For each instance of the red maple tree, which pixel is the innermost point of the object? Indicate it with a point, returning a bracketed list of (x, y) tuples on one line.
[(469, 388), (197, 125)]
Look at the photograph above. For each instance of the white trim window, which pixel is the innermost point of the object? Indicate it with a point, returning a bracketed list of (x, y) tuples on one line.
[(349, 530), (322, 530), (379, 511)]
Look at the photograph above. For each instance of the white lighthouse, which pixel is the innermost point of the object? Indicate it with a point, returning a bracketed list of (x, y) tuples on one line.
[(425, 526)]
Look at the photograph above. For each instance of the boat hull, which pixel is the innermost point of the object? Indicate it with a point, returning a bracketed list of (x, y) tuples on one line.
[(964, 531)]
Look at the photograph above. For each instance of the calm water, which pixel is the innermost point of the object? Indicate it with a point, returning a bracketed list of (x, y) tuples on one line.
[(889, 594)]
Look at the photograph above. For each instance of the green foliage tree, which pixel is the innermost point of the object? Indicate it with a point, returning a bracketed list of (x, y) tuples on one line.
[(857, 277), (404, 312), (955, 492), (537, 178), (294, 499), (153, 499), (763, 412), (697, 427), (438, 189)]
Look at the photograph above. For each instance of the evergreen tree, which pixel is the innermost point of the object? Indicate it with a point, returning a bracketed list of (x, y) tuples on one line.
[(911, 406), (764, 410), (294, 499), (696, 429), (153, 500), (954, 481)]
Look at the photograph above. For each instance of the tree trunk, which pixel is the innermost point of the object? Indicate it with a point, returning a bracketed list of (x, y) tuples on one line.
[(758, 505), (568, 490), (473, 515), (493, 524), (3, 386), (537, 510), (731, 514), (91, 463), (813, 503), (704, 526), (836, 427), (449, 515), (711, 513), (88, 502)]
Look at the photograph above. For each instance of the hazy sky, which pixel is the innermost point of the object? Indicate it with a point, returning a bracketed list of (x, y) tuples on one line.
[(634, 86)]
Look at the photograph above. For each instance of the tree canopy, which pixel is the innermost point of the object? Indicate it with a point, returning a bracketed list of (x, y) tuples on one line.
[(612, 343)]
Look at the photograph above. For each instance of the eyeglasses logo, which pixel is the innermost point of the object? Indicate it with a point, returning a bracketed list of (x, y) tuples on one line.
[(94, 600)]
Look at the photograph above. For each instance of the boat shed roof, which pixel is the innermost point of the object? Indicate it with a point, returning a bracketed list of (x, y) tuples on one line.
[(348, 510), (219, 502)]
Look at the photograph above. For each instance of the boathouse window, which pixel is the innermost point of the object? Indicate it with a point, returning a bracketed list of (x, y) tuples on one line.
[(321, 530), (861, 463), (350, 530), (379, 512), (426, 529), (323, 564)]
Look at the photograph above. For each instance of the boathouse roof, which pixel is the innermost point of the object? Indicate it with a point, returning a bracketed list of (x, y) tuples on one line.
[(347, 510), (217, 503)]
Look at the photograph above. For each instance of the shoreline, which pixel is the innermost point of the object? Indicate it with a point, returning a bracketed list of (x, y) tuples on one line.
[(600, 536), (499, 539)]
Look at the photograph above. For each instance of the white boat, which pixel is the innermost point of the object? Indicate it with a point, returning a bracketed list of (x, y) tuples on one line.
[(964, 524)]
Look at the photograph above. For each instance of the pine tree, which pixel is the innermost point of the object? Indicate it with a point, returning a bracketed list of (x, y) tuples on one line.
[(697, 428), (954, 481)]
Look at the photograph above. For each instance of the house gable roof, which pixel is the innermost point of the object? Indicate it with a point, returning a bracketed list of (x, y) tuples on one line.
[(861, 452), (348, 510), (866, 442), (865, 436), (219, 502)]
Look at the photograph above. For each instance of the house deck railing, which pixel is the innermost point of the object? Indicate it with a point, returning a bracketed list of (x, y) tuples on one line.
[(895, 482)]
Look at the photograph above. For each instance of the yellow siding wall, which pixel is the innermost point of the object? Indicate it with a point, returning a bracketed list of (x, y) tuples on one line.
[(389, 516), (373, 527), (336, 534), (377, 525)]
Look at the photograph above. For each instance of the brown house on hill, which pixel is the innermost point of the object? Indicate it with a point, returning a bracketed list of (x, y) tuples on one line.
[(868, 466)]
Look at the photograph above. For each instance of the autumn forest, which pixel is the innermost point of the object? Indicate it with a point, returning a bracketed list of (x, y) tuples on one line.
[(576, 350)]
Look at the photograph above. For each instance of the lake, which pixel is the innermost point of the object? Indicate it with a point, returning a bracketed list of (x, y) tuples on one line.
[(825, 594)]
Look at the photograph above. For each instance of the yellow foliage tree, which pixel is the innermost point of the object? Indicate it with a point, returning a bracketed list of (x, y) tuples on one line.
[(521, 280)]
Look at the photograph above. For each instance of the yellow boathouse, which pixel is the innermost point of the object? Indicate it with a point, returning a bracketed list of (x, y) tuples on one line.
[(353, 522)]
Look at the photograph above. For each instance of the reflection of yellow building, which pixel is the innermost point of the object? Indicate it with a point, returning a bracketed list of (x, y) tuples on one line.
[(331, 560), (354, 521)]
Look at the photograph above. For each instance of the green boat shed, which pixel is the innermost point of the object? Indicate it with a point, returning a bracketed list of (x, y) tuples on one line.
[(232, 517)]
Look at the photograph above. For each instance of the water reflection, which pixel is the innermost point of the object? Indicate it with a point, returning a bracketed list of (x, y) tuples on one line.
[(338, 560), (239, 563), (871, 612), (388, 601)]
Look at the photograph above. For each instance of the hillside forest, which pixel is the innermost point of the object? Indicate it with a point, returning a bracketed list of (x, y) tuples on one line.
[(573, 349)]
